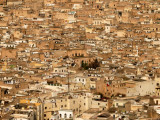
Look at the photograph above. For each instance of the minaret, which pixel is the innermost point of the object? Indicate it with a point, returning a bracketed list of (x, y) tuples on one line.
[(138, 71)]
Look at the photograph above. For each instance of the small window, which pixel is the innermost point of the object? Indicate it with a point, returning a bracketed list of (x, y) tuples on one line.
[(116, 104), (52, 112), (65, 115), (70, 116)]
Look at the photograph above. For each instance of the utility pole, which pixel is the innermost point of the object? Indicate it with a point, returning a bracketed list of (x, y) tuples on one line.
[(1, 105), (151, 113), (68, 74), (68, 81), (28, 91)]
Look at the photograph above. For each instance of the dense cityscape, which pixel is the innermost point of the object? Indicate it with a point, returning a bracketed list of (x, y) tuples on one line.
[(80, 59)]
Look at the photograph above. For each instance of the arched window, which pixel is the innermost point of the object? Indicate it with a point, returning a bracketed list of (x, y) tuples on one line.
[(60, 115), (70, 116), (65, 115)]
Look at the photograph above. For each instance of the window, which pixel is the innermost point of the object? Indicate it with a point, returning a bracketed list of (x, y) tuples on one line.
[(65, 115), (157, 102), (45, 107), (52, 112), (116, 104), (70, 116), (44, 115)]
